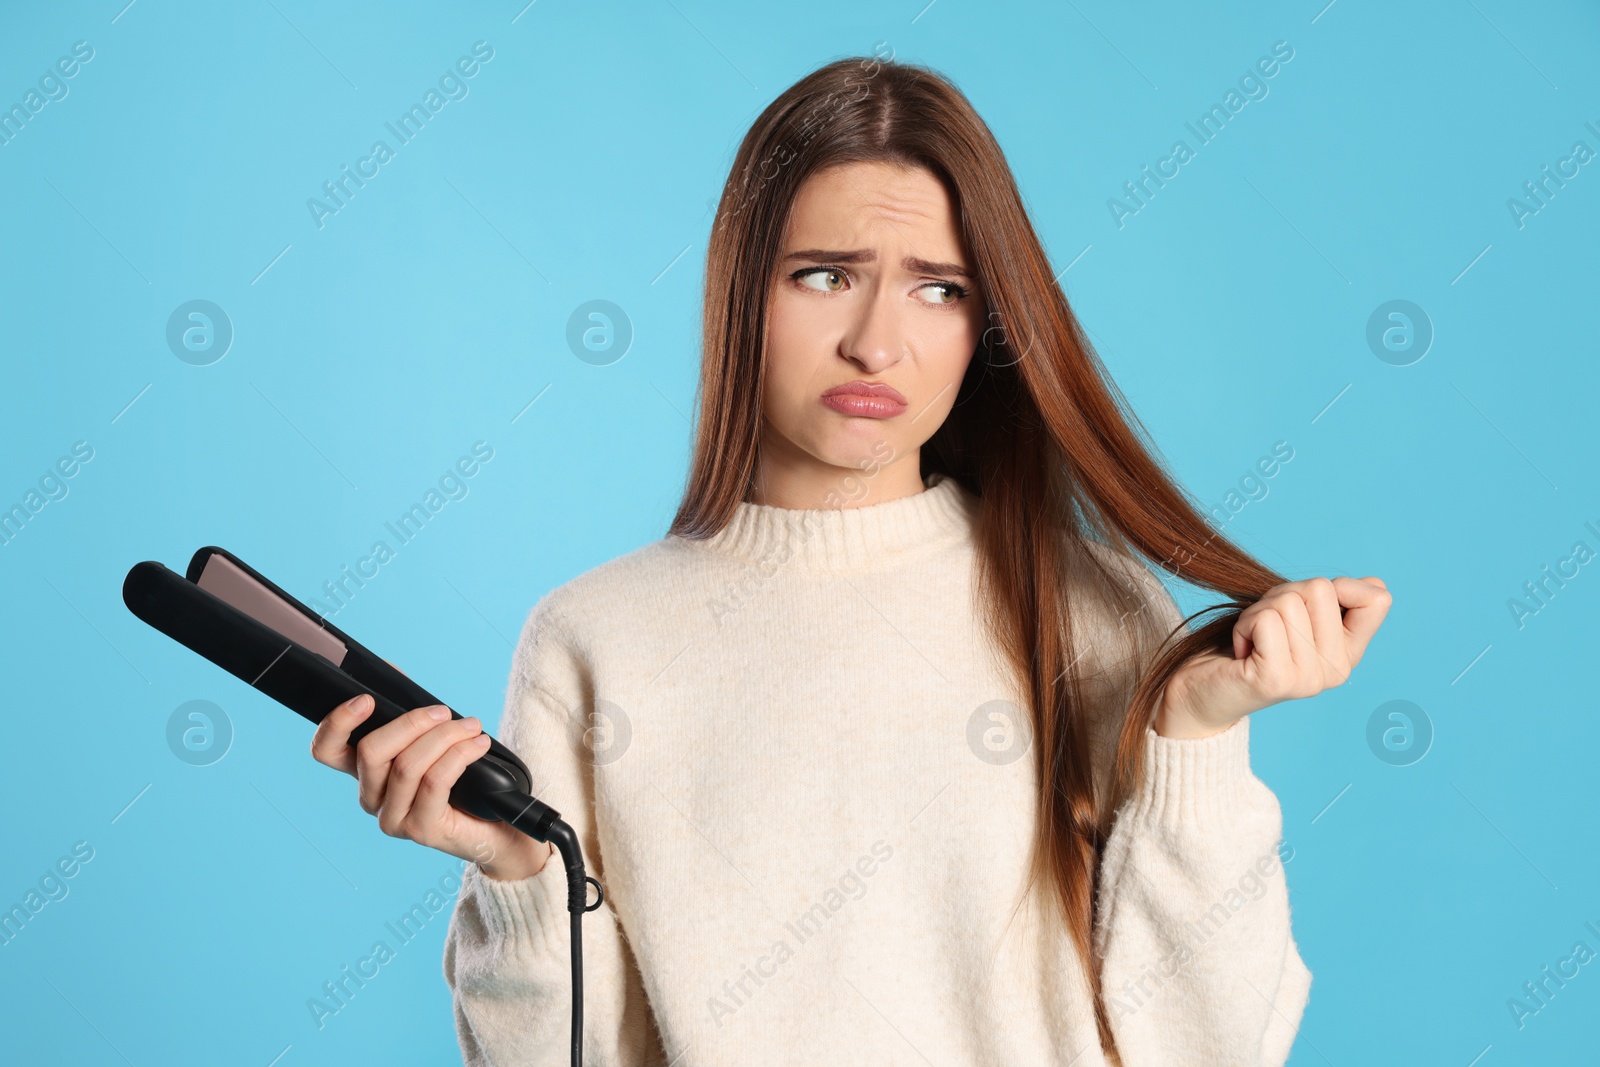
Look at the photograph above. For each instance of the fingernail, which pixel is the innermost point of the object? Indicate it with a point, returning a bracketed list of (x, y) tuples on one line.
[(482, 740), (362, 705), (441, 713)]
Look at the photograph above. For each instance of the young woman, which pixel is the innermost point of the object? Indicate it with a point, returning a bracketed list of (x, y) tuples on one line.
[(891, 751)]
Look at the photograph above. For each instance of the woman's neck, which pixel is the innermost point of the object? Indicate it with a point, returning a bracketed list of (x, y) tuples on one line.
[(787, 477)]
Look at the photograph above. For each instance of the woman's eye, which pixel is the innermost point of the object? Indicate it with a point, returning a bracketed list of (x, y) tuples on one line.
[(949, 292), (834, 281)]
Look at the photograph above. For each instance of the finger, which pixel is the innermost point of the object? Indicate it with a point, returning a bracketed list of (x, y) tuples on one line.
[(407, 769), (1366, 607), (374, 751), (331, 743), (433, 792), (1271, 666), (1327, 630), (1242, 628), (1290, 603), (392, 663)]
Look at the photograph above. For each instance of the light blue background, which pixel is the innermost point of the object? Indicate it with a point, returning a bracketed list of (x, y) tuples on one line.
[(371, 353)]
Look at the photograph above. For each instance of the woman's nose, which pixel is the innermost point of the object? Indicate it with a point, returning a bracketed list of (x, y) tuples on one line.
[(877, 339)]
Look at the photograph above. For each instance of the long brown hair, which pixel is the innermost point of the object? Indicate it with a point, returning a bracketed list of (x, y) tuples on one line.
[(1039, 434)]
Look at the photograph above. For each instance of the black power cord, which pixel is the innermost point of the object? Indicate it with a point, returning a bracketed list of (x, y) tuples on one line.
[(543, 823)]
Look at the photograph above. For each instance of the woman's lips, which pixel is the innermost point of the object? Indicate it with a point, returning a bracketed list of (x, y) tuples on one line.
[(872, 400)]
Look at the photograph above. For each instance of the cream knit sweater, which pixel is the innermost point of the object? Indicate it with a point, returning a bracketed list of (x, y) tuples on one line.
[(808, 793)]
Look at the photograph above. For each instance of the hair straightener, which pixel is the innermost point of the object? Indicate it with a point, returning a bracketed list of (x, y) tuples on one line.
[(237, 619)]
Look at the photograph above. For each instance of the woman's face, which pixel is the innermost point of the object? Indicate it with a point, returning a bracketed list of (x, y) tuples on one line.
[(872, 285)]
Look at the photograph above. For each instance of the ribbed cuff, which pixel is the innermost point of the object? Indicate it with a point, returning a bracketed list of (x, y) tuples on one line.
[(1191, 781), (528, 914)]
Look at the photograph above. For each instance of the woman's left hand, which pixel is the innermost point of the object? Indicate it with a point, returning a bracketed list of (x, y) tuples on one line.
[(1291, 644)]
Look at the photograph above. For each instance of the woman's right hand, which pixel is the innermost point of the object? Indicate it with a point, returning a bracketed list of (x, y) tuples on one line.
[(406, 769)]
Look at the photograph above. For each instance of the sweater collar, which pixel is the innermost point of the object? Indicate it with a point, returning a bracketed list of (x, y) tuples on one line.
[(857, 538)]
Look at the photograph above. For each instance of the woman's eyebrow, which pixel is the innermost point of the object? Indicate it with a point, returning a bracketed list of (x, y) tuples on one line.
[(913, 264)]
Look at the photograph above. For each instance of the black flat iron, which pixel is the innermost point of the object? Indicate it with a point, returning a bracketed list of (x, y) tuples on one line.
[(233, 616)]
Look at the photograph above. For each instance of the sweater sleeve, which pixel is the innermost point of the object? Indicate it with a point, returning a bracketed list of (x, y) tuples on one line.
[(507, 953), (1199, 965)]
